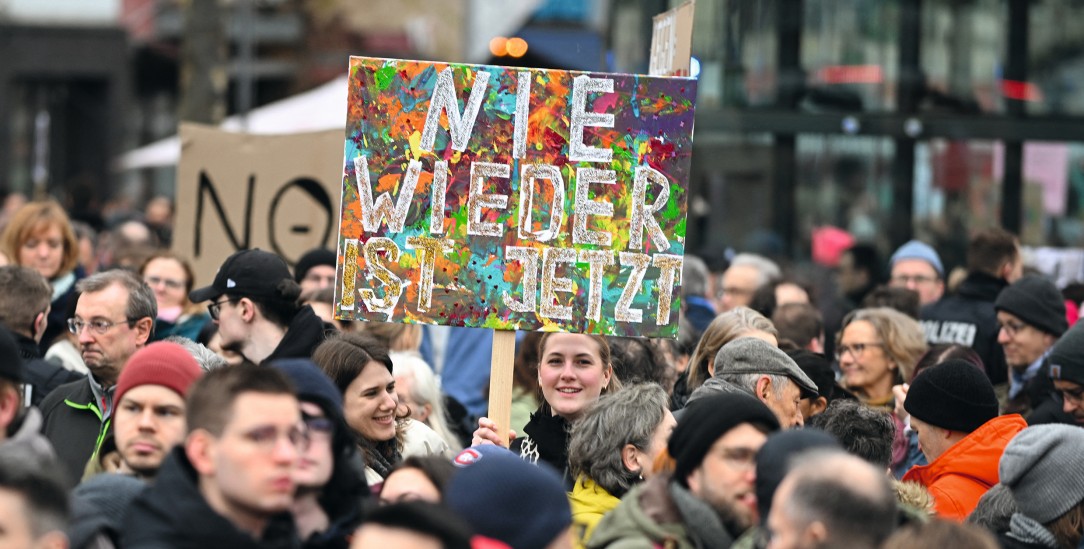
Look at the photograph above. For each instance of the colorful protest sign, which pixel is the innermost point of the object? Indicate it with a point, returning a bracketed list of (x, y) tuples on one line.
[(512, 198), (237, 191)]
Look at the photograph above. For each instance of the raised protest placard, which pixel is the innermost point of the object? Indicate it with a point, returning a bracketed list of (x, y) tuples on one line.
[(512, 198), (672, 41), (236, 191)]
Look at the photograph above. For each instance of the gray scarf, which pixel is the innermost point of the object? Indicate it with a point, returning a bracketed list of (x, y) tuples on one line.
[(701, 521), (1026, 529)]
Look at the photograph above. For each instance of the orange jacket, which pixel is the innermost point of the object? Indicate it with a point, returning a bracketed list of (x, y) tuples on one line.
[(960, 476)]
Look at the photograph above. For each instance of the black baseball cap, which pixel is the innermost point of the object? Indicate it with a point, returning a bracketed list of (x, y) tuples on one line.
[(252, 273)]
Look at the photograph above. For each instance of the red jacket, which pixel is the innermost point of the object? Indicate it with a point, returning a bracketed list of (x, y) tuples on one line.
[(960, 476)]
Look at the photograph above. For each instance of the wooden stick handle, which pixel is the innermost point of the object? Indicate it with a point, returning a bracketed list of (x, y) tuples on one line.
[(500, 380)]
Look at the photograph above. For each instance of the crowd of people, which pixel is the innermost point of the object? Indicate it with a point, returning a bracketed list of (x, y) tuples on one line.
[(909, 407)]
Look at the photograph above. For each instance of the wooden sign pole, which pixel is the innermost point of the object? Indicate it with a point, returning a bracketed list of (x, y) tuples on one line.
[(500, 380)]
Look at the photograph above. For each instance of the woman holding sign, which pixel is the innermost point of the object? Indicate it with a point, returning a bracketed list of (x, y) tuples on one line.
[(573, 371), (361, 368)]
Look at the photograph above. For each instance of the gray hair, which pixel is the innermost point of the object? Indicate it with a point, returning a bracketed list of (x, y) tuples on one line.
[(748, 382), (994, 509), (767, 270), (694, 276), (425, 390), (207, 359), (863, 431), (628, 416), (141, 301)]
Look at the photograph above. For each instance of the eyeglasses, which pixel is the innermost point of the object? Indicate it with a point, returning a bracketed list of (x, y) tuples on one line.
[(903, 280), (319, 427), (266, 438), (856, 349), (734, 291), (98, 326), (742, 459), (1011, 327), (1074, 396), (214, 309), (170, 283)]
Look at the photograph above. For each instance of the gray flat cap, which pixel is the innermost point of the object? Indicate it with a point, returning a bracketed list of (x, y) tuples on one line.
[(749, 355)]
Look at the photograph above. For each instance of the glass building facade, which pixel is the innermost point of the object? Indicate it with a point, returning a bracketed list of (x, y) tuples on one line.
[(891, 119)]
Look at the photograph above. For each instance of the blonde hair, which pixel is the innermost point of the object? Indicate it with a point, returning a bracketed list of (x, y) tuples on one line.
[(725, 328), (397, 336), (902, 336), (33, 218)]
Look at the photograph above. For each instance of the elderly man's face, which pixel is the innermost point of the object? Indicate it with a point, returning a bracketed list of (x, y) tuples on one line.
[(785, 404), (739, 284)]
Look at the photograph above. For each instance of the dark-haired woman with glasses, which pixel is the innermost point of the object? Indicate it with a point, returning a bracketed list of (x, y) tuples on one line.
[(170, 276)]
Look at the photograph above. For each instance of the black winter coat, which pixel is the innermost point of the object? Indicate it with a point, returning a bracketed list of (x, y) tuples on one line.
[(305, 332), (41, 375), (967, 317), (172, 514)]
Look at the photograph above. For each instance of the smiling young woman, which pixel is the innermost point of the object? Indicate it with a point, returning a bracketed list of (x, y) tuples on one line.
[(573, 371), (361, 368)]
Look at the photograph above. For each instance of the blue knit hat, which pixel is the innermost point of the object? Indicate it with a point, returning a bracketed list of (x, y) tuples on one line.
[(507, 499), (916, 249)]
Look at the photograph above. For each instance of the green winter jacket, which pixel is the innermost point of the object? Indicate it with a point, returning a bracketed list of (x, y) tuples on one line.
[(646, 518)]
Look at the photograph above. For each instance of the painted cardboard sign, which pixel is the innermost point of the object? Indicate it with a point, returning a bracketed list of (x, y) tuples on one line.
[(236, 191), (513, 198)]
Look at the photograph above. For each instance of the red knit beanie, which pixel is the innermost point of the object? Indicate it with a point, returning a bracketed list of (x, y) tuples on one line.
[(162, 363)]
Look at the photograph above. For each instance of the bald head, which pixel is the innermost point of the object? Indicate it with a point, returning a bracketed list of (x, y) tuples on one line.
[(832, 499)]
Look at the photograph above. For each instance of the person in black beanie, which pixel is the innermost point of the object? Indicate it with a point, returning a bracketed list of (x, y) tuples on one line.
[(953, 409), (1067, 373), (709, 500), (1031, 318), (315, 269)]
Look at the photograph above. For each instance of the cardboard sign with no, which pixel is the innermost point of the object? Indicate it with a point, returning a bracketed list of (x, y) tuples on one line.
[(279, 193)]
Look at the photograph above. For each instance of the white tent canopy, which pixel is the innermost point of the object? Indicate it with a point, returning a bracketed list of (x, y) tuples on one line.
[(321, 108)]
